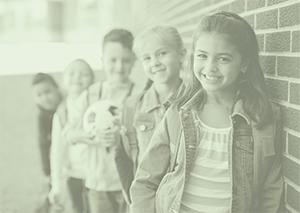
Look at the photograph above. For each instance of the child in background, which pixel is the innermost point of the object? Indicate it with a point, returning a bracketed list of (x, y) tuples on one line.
[(227, 157), (68, 161), (102, 180), (47, 97), (162, 53)]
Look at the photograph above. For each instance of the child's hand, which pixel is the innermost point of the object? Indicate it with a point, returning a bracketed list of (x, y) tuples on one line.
[(54, 197), (79, 136), (109, 137)]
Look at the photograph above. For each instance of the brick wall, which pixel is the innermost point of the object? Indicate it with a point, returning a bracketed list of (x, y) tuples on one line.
[(277, 25)]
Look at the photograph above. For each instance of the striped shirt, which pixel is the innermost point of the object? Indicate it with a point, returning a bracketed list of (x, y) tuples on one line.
[(208, 187)]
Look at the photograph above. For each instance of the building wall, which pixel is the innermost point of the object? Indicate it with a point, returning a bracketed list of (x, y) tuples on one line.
[(277, 25)]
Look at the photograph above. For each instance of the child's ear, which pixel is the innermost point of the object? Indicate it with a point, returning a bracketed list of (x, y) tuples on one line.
[(245, 65), (182, 55)]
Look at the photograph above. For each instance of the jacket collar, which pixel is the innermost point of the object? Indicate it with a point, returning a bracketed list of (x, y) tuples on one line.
[(151, 98), (197, 101)]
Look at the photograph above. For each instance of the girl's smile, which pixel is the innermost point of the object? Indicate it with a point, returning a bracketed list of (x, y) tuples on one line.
[(161, 61), (78, 77), (212, 78), (217, 63), (158, 71)]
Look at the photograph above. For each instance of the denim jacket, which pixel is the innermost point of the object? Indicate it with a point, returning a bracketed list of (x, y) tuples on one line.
[(147, 114), (156, 189)]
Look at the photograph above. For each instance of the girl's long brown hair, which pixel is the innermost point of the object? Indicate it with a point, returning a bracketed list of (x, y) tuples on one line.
[(252, 83)]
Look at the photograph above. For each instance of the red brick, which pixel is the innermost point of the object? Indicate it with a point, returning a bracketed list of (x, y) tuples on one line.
[(293, 198), (291, 118), (295, 93), (267, 20), (193, 8), (254, 4), (278, 42), (296, 41), (250, 20), (277, 89), (289, 16), (238, 6), (294, 146), (288, 66), (261, 42), (224, 8), (290, 169), (267, 64), (272, 2)]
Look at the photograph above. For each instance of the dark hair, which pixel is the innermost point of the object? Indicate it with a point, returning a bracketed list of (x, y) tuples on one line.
[(42, 77), (119, 35), (251, 86)]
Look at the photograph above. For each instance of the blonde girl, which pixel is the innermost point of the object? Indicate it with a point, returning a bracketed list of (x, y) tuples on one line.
[(227, 158), (162, 53), (68, 161)]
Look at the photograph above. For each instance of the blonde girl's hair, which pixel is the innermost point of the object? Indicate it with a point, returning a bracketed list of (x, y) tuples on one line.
[(167, 34), (251, 85)]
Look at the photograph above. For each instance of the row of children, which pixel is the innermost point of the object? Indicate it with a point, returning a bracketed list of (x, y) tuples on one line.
[(210, 143)]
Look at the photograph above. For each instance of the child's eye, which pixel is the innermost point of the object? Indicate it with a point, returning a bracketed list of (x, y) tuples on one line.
[(162, 53), (223, 59), (146, 58), (201, 56)]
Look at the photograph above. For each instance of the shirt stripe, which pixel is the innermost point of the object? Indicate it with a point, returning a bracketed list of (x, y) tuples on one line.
[(208, 186)]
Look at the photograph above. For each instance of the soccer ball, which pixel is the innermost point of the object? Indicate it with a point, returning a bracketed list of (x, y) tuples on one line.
[(99, 116)]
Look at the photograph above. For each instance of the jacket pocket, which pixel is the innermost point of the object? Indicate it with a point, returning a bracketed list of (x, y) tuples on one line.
[(145, 130), (143, 126)]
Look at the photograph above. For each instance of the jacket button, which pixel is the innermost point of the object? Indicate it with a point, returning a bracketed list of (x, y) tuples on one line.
[(142, 127)]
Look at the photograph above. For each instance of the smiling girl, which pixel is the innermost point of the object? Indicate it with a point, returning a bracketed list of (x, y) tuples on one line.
[(68, 161), (227, 158), (162, 53)]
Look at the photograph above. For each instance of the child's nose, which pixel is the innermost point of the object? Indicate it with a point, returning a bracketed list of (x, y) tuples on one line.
[(210, 66), (155, 62), (77, 76), (118, 66)]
